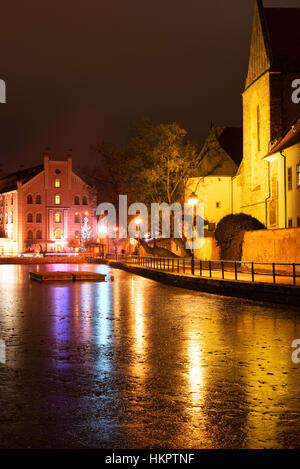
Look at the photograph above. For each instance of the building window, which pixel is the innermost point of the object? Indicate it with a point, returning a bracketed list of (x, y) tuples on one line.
[(298, 175), (290, 179), (76, 218), (38, 199), (84, 200), (29, 218), (29, 199), (290, 223), (57, 200), (77, 234), (11, 217), (39, 218), (76, 200), (29, 235), (258, 127), (298, 222), (57, 218), (6, 218), (58, 234), (218, 204), (39, 234), (57, 182), (12, 200)]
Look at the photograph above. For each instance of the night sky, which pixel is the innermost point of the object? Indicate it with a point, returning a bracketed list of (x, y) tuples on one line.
[(78, 72)]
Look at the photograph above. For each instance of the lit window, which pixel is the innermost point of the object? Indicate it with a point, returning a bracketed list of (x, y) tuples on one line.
[(57, 200), (290, 179), (57, 218), (298, 175), (77, 234), (58, 234), (57, 182), (38, 199)]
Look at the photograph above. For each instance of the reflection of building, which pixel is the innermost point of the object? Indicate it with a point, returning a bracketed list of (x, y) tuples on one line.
[(267, 183), (43, 208)]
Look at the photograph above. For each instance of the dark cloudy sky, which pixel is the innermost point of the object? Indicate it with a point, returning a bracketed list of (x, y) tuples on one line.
[(79, 71)]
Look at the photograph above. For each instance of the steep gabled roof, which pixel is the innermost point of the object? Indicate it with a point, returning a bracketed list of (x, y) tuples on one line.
[(290, 138), (275, 41), (9, 182), (222, 152)]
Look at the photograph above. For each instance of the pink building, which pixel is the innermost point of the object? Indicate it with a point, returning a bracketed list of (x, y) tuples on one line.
[(45, 208)]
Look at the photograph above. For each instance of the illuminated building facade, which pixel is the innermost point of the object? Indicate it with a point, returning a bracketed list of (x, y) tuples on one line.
[(266, 185), (44, 208)]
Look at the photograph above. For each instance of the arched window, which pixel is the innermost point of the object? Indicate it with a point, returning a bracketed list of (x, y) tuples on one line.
[(12, 200), (76, 200), (39, 218), (29, 199), (57, 217), (76, 218), (29, 218), (29, 235), (57, 182), (84, 200), (57, 200), (39, 234), (38, 199), (58, 234)]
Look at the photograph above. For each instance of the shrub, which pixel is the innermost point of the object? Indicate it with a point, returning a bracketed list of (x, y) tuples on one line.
[(230, 234)]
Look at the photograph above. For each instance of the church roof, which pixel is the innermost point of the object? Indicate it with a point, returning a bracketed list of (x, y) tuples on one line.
[(231, 140), (9, 181), (275, 41), (283, 36)]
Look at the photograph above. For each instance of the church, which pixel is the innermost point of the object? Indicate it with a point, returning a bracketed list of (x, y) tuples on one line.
[(259, 173)]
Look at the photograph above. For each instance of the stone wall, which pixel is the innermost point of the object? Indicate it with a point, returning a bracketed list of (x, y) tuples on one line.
[(272, 246)]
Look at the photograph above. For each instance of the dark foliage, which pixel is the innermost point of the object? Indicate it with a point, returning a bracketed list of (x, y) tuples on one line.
[(230, 234)]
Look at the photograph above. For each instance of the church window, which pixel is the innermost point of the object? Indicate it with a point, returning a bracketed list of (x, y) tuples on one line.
[(58, 218), (57, 200), (57, 182), (258, 128)]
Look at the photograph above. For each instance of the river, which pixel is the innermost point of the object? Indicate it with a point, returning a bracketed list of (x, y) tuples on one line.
[(131, 363)]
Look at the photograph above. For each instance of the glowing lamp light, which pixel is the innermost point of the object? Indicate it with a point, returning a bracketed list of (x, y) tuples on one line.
[(138, 221), (193, 199), (103, 230), (116, 229)]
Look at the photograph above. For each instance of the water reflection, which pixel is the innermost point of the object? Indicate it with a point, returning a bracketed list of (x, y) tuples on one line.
[(131, 363)]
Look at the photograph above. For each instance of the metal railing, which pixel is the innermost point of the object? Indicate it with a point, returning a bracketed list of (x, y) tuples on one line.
[(259, 272)]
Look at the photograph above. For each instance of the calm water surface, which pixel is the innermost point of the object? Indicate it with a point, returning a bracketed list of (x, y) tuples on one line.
[(130, 363)]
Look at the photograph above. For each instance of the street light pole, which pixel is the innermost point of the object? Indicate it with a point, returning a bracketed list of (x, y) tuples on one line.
[(193, 201)]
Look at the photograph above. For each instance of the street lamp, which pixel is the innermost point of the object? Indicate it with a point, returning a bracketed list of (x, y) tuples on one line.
[(193, 201)]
